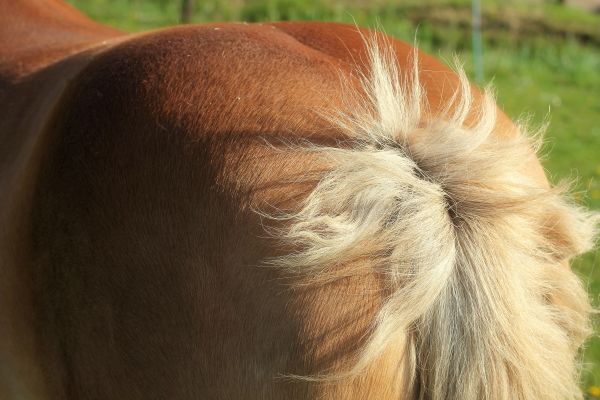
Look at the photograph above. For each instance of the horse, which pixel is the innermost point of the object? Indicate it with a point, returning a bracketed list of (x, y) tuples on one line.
[(289, 210)]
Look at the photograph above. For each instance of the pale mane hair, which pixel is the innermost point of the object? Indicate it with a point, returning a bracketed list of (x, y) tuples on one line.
[(472, 248)]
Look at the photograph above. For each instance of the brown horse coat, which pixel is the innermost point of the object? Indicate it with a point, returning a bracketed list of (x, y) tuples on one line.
[(131, 166)]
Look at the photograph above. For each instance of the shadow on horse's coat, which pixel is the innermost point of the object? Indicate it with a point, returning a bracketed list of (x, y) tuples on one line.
[(268, 211)]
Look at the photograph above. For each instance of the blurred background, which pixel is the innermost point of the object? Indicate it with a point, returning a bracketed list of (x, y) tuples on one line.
[(543, 57)]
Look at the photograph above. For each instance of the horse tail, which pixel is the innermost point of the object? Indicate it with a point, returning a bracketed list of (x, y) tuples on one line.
[(472, 247)]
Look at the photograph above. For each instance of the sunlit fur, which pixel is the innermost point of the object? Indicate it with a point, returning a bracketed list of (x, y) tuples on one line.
[(471, 246)]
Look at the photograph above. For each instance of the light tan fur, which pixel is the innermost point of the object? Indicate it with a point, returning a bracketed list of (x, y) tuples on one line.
[(470, 244)]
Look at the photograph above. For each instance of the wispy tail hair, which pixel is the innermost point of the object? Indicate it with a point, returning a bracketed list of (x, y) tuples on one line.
[(472, 246)]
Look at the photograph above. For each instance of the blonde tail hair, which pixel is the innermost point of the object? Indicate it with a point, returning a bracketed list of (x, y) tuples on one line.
[(472, 247)]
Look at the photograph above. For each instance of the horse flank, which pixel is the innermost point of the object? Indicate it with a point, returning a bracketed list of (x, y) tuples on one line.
[(471, 249)]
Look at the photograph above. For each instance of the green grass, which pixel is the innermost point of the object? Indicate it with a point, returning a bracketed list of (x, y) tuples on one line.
[(537, 71)]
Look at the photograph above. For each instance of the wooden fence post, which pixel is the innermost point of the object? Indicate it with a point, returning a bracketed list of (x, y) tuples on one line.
[(187, 11)]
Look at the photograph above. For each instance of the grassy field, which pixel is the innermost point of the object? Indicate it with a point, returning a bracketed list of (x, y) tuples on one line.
[(543, 59)]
